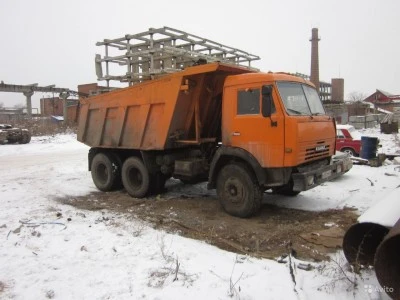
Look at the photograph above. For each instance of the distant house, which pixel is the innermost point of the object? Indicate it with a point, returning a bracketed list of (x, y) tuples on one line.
[(384, 100)]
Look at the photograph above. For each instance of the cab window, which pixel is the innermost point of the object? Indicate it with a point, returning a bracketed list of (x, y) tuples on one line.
[(248, 102)]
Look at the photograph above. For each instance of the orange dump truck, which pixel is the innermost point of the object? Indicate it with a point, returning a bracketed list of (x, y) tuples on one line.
[(243, 131)]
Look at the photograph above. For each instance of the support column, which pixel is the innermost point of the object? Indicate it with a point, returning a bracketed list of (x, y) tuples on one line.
[(64, 96), (28, 96)]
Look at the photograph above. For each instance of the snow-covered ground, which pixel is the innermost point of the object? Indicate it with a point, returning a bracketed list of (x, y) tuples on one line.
[(49, 250)]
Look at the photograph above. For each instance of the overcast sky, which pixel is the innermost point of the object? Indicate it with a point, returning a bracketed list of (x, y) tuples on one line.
[(53, 42)]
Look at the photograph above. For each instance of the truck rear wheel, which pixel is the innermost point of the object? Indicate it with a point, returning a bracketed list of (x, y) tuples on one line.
[(238, 191), (135, 177), (105, 172)]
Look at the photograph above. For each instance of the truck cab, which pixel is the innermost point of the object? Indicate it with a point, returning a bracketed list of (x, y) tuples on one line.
[(275, 126)]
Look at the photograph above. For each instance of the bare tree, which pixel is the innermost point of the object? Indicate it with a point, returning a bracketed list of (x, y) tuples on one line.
[(356, 96)]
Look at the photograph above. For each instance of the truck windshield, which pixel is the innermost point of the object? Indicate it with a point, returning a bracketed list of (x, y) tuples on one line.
[(300, 99)]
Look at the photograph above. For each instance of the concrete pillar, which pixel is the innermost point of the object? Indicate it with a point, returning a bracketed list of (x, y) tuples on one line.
[(64, 96), (28, 96)]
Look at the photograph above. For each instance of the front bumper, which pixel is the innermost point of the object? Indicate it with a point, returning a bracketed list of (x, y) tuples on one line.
[(308, 180)]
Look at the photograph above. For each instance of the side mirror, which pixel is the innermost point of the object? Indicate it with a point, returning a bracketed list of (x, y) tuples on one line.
[(266, 92)]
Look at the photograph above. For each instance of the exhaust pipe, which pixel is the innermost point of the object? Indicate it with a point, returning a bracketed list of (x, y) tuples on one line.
[(387, 262)]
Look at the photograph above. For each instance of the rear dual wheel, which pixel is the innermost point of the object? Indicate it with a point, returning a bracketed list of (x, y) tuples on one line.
[(106, 173), (135, 177)]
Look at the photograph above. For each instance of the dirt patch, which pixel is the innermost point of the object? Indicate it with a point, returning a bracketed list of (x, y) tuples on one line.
[(268, 234)]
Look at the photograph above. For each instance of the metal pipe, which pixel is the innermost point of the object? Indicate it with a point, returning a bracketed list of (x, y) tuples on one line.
[(387, 262), (361, 241), (363, 238)]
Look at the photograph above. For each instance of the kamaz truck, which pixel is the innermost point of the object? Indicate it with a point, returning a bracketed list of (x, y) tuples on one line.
[(241, 130)]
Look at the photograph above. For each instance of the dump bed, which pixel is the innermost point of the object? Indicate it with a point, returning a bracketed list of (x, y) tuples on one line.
[(178, 109)]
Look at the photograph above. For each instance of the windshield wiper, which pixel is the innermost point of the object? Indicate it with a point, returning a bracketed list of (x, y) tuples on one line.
[(318, 114), (294, 111)]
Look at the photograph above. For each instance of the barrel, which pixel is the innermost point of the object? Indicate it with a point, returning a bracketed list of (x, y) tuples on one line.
[(369, 146)]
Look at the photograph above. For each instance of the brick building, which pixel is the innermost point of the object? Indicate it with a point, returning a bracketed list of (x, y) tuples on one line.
[(54, 106), (92, 89)]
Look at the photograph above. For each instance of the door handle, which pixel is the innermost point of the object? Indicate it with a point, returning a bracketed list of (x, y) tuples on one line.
[(236, 133)]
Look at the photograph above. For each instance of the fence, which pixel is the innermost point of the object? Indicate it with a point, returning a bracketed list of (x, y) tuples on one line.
[(367, 121)]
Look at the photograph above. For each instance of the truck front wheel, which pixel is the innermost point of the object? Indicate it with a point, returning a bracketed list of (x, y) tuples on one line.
[(135, 177), (105, 172), (238, 191), (25, 137)]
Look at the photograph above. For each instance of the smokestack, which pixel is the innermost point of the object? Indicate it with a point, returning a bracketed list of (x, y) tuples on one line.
[(314, 76)]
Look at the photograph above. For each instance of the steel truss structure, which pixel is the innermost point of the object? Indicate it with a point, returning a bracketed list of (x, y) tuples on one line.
[(152, 53)]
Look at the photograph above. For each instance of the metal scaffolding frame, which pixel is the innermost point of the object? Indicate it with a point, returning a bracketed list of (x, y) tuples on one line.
[(152, 53)]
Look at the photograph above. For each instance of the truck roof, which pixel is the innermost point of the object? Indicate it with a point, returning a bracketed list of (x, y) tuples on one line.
[(260, 76)]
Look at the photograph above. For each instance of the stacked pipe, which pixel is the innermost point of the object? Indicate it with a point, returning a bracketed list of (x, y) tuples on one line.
[(375, 240)]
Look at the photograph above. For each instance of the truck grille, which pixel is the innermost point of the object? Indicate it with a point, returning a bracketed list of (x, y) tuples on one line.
[(318, 151)]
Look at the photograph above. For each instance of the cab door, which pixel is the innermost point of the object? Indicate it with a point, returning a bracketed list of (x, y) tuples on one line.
[(245, 126)]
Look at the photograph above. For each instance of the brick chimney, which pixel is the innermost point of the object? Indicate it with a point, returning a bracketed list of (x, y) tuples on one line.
[(314, 75)]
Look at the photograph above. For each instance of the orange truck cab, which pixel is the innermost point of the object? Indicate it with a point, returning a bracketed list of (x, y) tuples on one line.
[(244, 132)]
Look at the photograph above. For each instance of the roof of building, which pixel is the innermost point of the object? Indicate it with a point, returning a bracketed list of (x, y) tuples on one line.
[(384, 93)]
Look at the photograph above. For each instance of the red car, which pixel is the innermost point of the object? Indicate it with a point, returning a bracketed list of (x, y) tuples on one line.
[(348, 139)]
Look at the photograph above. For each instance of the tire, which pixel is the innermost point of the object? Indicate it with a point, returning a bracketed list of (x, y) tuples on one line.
[(349, 151), (105, 172), (238, 191), (25, 138), (135, 177)]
